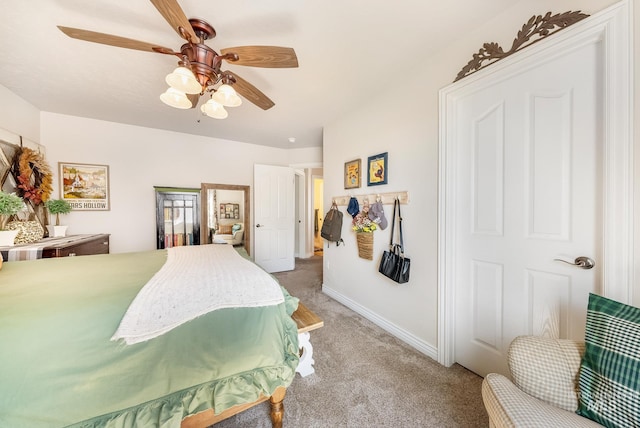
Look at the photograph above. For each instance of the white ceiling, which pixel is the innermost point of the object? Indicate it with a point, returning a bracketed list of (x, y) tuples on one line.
[(346, 50)]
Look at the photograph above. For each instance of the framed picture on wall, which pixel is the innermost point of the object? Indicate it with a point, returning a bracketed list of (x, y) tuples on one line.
[(85, 186), (377, 169), (352, 174), (229, 211)]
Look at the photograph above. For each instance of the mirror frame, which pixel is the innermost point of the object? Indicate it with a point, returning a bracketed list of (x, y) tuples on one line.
[(204, 228)]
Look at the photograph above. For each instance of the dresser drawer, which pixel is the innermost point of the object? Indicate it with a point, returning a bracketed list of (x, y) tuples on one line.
[(93, 244)]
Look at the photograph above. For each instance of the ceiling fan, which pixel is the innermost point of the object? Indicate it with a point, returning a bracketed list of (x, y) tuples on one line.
[(199, 69)]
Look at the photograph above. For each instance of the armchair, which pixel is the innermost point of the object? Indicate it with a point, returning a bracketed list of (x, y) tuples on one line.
[(544, 391), (231, 235)]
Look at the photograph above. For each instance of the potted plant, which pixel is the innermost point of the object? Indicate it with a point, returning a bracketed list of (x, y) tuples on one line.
[(10, 204), (57, 207)]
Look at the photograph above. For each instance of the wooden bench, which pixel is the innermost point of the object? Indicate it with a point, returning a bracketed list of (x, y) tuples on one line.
[(306, 321)]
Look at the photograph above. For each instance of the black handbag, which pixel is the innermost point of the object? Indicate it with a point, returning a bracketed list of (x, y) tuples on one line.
[(394, 264)]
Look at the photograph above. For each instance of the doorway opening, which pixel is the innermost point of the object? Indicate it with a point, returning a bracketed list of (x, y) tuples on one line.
[(318, 209)]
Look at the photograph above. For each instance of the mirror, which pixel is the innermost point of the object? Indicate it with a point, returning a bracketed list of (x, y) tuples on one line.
[(224, 205)]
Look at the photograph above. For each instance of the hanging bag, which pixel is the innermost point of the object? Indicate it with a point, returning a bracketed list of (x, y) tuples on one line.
[(332, 225), (394, 264)]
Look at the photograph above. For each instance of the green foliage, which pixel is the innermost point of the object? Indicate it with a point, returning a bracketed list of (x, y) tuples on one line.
[(57, 207), (10, 203)]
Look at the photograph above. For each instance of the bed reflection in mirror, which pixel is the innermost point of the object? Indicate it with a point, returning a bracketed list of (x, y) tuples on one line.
[(226, 214)]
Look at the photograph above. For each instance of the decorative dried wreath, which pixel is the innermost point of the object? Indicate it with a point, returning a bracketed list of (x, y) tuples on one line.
[(35, 176)]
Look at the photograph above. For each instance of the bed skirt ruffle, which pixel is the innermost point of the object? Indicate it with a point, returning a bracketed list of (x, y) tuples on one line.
[(220, 395)]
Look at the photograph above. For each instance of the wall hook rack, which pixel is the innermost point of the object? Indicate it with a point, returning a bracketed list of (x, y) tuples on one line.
[(385, 198)]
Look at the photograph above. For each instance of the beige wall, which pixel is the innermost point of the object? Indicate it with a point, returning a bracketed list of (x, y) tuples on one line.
[(404, 123), (18, 118), (140, 158)]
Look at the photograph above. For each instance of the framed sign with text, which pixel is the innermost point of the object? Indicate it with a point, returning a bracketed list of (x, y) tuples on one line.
[(85, 186)]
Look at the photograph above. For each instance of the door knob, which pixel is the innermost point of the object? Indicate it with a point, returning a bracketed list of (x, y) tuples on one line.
[(581, 262), (258, 225)]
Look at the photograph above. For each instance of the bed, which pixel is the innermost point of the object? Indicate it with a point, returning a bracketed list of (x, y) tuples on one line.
[(59, 368)]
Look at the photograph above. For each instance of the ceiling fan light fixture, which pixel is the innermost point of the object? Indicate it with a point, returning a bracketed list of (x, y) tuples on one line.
[(199, 67), (227, 96), (184, 80), (214, 109), (175, 98)]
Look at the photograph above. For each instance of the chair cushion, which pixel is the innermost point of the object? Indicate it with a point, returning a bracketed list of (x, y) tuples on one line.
[(236, 227), (224, 229), (508, 406), (609, 380), (547, 369)]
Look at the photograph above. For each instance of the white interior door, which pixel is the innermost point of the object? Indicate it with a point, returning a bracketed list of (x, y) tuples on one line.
[(274, 217), (529, 156), (300, 220), (529, 193)]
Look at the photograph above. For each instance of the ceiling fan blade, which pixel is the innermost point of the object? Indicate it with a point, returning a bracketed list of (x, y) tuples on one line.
[(250, 92), (108, 39), (263, 56), (172, 12)]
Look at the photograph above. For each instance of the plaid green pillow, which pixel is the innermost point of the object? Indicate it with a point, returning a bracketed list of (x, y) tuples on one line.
[(609, 381)]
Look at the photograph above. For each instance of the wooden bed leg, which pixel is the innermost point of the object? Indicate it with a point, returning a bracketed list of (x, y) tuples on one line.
[(277, 407)]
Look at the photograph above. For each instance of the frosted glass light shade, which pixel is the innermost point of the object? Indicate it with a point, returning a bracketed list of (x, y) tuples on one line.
[(175, 98), (214, 109), (183, 80), (227, 96)]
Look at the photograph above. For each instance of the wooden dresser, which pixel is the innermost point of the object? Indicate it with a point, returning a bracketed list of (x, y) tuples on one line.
[(72, 245), (85, 246)]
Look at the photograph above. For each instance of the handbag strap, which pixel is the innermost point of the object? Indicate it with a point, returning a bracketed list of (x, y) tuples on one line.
[(396, 216), (400, 226), (393, 225)]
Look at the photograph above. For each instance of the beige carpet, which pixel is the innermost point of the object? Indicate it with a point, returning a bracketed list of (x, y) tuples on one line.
[(366, 377)]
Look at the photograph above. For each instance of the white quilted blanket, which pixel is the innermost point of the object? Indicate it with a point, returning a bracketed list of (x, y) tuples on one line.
[(193, 281)]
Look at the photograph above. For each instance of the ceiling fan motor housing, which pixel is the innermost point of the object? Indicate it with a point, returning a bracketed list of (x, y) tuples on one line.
[(204, 61), (203, 29)]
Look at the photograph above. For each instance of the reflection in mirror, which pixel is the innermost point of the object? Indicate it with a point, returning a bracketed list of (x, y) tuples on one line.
[(225, 214)]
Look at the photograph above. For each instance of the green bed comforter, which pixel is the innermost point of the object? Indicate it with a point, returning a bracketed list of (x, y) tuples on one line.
[(58, 367)]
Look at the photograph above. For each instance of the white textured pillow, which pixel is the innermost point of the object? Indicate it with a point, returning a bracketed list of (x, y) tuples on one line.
[(547, 369)]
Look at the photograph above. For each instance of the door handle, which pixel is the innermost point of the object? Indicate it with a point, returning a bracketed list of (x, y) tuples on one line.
[(581, 262), (259, 225)]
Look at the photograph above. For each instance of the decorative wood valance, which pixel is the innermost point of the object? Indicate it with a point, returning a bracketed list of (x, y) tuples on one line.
[(536, 28)]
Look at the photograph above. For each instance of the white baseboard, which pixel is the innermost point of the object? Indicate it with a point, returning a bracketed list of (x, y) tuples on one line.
[(410, 339)]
